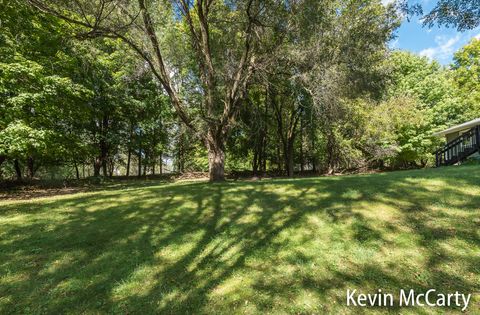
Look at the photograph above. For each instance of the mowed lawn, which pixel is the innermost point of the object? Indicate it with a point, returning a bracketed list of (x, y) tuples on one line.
[(271, 246)]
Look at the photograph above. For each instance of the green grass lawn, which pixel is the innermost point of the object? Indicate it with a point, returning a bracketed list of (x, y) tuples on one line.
[(273, 246)]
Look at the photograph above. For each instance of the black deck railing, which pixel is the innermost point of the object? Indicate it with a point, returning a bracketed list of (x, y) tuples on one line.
[(459, 148)]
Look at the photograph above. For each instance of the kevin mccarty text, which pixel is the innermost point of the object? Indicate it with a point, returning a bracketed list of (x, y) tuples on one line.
[(409, 298)]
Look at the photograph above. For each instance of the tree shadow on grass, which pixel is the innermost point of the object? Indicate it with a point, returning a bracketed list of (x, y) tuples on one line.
[(243, 247)]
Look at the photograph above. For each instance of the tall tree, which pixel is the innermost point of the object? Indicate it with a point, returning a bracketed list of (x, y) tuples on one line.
[(41, 106), (340, 57), (223, 54)]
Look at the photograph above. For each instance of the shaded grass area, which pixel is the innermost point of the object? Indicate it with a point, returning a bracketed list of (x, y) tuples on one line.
[(274, 246), (28, 189)]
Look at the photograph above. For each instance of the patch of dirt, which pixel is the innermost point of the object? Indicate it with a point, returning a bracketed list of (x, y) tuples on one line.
[(192, 175), (33, 192)]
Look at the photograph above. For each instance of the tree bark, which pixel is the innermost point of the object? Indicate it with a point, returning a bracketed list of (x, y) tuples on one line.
[(278, 159), (18, 170), (161, 164), (77, 172), (263, 155), (139, 174), (302, 157), (129, 158), (255, 160), (216, 155), (104, 145), (181, 153), (145, 162), (103, 159), (130, 143), (289, 165), (30, 167), (153, 165), (111, 167)]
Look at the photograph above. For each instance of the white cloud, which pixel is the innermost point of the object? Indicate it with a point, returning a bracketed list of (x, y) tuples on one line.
[(444, 49), (477, 36)]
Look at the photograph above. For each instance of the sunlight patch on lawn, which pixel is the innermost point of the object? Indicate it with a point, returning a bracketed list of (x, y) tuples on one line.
[(142, 280)]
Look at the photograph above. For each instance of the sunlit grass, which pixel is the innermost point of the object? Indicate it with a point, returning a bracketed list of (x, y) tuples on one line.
[(274, 246)]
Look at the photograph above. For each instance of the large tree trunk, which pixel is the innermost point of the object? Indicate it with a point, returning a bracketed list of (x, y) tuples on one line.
[(216, 156), (18, 170), (101, 161)]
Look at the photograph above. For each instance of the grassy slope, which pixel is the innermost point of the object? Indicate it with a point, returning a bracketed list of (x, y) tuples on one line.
[(275, 246)]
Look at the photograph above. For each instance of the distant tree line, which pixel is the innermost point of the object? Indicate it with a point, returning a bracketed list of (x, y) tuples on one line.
[(106, 88)]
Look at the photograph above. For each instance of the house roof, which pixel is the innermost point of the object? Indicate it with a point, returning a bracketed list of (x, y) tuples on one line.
[(464, 126)]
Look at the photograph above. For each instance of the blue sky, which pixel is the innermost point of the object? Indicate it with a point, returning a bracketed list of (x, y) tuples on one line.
[(438, 43)]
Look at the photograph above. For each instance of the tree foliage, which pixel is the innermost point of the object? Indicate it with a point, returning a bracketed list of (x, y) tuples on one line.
[(133, 87)]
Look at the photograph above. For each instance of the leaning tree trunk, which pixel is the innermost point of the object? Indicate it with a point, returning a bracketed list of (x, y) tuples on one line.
[(216, 155)]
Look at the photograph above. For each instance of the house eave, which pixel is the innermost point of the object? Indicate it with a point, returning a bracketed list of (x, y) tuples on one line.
[(461, 127)]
